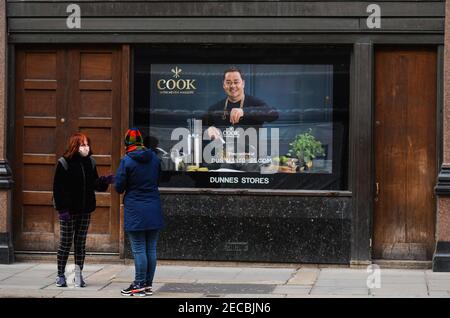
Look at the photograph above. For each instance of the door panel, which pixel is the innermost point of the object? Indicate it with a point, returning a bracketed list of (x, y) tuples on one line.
[(59, 92), (405, 153), (36, 146), (97, 79)]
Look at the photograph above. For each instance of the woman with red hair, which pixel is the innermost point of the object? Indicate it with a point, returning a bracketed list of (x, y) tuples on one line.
[(75, 182)]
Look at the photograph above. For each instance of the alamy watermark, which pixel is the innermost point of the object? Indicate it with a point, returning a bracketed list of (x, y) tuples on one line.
[(374, 19), (231, 145), (374, 279), (72, 270), (73, 21)]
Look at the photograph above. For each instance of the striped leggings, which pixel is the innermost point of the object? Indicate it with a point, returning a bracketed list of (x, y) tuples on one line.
[(73, 230)]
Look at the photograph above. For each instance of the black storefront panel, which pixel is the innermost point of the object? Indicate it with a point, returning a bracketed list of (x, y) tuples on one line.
[(257, 228)]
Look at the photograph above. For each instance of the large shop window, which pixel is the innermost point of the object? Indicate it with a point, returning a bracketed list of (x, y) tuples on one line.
[(281, 123)]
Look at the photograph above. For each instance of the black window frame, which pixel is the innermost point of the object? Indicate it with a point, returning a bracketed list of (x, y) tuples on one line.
[(338, 180)]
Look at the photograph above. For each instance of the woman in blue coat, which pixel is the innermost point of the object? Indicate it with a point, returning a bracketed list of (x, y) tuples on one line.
[(137, 176)]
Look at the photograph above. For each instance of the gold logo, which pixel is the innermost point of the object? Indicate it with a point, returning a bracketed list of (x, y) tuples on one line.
[(176, 72), (177, 85)]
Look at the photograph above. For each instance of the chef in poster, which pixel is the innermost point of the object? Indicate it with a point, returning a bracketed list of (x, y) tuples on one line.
[(237, 109)]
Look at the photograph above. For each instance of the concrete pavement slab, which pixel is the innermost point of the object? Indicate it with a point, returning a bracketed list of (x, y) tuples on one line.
[(172, 274), (298, 296), (125, 275), (339, 291), (106, 280), (4, 276), (25, 283), (254, 296), (27, 293), (401, 287), (356, 277), (439, 294), (211, 275), (327, 296), (292, 289), (404, 284), (338, 296), (264, 275), (32, 274), (175, 280), (16, 266), (399, 292), (404, 281), (403, 278), (88, 294), (46, 266), (13, 270), (439, 287), (115, 286), (176, 295), (93, 267), (343, 278), (22, 286), (438, 276), (341, 284), (396, 291), (342, 271), (439, 281), (171, 271), (390, 295), (354, 280), (304, 276), (107, 273), (402, 272)]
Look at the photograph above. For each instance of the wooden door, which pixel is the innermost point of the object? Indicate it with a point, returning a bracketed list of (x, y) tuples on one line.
[(58, 92), (405, 153)]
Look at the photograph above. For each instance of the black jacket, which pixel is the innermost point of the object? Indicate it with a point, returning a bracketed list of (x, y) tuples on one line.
[(74, 188), (256, 112)]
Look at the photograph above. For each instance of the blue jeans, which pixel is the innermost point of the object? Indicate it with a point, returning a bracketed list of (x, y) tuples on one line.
[(143, 245)]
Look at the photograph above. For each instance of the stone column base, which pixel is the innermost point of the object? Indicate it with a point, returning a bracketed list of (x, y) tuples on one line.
[(6, 249), (441, 257), (6, 183)]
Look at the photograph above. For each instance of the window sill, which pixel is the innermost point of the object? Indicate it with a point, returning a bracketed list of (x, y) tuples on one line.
[(265, 192)]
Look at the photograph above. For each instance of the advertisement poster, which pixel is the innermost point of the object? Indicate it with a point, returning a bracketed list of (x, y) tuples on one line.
[(243, 125)]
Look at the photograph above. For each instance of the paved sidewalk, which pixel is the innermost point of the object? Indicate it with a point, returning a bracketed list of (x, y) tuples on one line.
[(26, 280)]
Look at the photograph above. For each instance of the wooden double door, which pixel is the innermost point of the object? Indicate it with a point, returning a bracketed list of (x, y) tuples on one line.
[(58, 92), (405, 153)]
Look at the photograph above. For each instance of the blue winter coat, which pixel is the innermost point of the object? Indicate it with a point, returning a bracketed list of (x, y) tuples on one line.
[(137, 176)]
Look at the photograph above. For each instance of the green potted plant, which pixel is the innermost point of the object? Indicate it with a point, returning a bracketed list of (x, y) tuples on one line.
[(306, 147)]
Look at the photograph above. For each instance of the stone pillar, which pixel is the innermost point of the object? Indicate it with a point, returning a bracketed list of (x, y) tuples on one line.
[(6, 249), (441, 257)]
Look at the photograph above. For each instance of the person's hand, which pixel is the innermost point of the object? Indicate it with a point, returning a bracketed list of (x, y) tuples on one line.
[(235, 115), (106, 180), (64, 215), (109, 179), (214, 133)]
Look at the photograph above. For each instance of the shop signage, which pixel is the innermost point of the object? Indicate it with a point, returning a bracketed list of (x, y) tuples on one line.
[(176, 85)]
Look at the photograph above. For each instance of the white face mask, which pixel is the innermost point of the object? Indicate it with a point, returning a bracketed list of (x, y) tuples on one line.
[(83, 150)]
